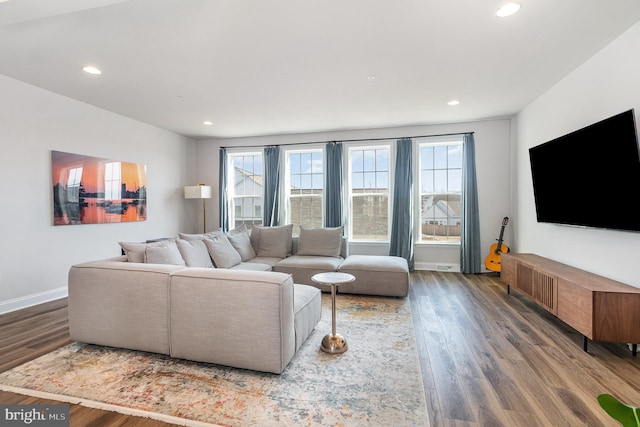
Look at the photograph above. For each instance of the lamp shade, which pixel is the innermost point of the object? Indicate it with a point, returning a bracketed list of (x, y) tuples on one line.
[(197, 192)]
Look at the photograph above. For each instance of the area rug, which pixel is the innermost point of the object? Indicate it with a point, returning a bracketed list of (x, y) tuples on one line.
[(377, 382)]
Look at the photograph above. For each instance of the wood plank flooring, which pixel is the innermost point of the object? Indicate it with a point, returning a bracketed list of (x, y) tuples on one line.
[(487, 358)]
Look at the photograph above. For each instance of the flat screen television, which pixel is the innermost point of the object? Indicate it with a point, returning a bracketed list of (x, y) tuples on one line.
[(590, 177)]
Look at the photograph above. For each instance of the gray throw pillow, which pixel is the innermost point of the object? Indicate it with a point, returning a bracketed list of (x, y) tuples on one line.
[(135, 251), (279, 231), (222, 252), (274, 242), (168, 254), (320, 241), (239, 238), (194, 253)]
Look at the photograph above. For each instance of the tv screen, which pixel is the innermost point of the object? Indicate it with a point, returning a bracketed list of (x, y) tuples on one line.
[(590, 177)]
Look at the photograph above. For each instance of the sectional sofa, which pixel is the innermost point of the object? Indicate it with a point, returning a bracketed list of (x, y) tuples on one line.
[(241, 299)]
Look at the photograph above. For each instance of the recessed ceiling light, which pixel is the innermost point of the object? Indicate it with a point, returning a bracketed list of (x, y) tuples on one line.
[(453, 102), (2, 1), (92, 70), (371, 77), (207, 123), (508, 9)]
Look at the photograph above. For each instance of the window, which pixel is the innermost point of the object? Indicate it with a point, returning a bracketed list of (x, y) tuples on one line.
[(369, 193), (304, 188), (245, 172), (74, 184), (440, 187), (113, 181)]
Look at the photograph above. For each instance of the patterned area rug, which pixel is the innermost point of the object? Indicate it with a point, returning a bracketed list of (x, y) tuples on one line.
[(377, 382)]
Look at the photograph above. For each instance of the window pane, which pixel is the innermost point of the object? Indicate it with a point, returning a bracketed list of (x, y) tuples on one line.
[(357, 161), (440, 192), (246, 194), (440, 157), (369, 193), (305, 174)]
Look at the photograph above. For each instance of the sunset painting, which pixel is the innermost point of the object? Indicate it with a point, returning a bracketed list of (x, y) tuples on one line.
[(92, 190)]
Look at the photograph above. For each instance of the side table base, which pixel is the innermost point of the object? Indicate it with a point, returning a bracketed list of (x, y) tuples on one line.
[(334, 344)]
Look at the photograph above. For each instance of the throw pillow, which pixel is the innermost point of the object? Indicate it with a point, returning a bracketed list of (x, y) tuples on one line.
[(239, 238), (168, 254), (274, 242), (320, 241), (222, 252), (194, 253), (280, 231), (200, 236), (135, 251)]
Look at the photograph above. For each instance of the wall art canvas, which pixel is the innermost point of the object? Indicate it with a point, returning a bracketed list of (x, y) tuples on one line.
[(92, 190)]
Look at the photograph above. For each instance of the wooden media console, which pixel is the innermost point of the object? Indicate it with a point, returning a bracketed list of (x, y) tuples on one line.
[(600, 309)]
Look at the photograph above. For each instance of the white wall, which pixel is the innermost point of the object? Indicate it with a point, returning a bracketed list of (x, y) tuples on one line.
[(493, 141), (35, 256), (606, 84)]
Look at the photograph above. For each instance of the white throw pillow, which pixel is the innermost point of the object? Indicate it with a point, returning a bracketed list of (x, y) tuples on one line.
[(239, 238), (222, 252), (168, 254), (320, 241), (194, 253)]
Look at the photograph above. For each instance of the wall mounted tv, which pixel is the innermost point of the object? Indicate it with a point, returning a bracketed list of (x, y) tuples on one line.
[(590, 177)]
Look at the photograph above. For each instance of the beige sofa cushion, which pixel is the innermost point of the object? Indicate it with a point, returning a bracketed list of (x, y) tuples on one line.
[(240, 240), (194, 253), (303, 267), (320, 241), (307, 311), (166, 254), (136, 251), (277, 240), (376, 275), (222, 252)]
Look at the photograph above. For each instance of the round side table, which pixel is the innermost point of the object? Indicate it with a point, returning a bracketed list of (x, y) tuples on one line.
[(333, 343)]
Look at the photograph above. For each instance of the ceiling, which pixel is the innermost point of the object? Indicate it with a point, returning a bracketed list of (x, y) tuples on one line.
[(258, 67)]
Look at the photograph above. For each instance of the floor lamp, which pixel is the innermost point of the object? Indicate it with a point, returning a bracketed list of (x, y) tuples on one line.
[(203, 192)]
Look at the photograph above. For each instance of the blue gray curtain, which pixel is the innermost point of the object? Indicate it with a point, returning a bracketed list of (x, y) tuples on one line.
[(222, 191), (271, 189), (470, 253), (401, 214), (333, 185)]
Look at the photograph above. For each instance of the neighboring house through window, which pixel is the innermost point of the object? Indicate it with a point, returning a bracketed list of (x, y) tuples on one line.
[(246, 194), (440, 189)]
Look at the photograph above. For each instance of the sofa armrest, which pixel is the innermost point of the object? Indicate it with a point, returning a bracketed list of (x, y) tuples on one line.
[(243, 319)]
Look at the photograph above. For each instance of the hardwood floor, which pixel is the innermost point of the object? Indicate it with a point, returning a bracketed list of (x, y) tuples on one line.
[(487, 358)]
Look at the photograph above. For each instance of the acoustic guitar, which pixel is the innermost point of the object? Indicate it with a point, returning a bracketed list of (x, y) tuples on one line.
[(492, 262)]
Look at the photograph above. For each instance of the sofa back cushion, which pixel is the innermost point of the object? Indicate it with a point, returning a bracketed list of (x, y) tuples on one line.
[(320, 241), (272, 242)]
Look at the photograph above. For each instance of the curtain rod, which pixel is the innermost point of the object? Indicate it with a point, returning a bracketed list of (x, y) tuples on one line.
[(354, 140)]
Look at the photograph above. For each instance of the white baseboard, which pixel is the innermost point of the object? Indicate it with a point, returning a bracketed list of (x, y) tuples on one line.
[(31, 300), (437, 266)]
